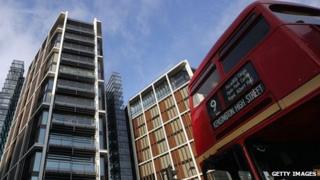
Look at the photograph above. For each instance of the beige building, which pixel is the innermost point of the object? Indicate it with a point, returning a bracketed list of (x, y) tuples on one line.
[(160, 125)]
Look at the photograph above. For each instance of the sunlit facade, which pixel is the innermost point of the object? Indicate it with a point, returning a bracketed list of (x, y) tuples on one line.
[(161, 127), (56, 129)]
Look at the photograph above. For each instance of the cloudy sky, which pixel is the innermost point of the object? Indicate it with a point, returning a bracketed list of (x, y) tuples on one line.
[(142, 38)]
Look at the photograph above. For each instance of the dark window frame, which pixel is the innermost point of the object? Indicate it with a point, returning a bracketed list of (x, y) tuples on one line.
[(240, 35)]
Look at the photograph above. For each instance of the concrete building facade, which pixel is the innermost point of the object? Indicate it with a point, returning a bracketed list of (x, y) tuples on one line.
[(160, 124), (56, 132)]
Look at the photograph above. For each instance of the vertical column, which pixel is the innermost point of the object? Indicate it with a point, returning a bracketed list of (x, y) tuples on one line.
[(133, 144), (96, 88), (181, 121), (44, 150), (147, 131)]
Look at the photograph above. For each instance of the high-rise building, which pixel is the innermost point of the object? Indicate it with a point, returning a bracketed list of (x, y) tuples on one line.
[(120, 150), (9, 97), (160, 125), (56, 132)]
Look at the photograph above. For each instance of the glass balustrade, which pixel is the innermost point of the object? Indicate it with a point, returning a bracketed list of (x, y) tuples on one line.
[(73, 119)]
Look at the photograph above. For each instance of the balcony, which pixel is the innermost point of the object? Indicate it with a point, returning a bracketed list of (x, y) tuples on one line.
[(80, 29), (70, 167), (75, 88), (79, 38), (74, 104), (74, 123), (72, 142), (77, 48), (75, 60), (78, 74)]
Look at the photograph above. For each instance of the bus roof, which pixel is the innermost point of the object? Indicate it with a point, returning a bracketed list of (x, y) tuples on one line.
[(229, 31)]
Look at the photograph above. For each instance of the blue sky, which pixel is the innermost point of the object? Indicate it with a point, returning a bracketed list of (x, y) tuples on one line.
[(142, 38)]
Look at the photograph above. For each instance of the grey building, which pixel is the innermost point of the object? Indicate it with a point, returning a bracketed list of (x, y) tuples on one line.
[(9, 97), (56, 132), (120, 152)]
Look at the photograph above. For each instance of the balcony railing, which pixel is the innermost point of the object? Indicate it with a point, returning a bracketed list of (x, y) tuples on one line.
[(72, 119), (77, 59), (72, 141), (78, 47), (70, 166), (75, 85), (76, 71), (79, 38), (79, 28), (74, 101)]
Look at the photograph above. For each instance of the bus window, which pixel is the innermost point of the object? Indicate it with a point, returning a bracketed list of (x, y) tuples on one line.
[(231, 164), (209, 81), (295, 14), (240, 45)]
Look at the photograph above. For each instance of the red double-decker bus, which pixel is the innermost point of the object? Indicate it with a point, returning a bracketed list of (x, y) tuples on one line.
[(255, 98)]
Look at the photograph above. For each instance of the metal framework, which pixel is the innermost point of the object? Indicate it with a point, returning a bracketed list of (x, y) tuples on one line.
[(120, 160), (8, 99)]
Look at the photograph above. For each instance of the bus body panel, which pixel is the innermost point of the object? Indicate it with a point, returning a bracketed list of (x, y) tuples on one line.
[(287, 62)]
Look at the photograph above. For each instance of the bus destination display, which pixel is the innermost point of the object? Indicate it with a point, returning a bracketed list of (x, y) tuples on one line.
[(239, 91)]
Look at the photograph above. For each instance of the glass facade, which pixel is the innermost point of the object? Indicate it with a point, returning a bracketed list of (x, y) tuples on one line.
[(9, 98), (55, 133), (120, 159)]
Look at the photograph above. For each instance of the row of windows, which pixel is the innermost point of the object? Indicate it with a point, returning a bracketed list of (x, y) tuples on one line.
[(74, 100), (75, 119), (76, 71), (148, 99), (135, 108), (69, 140), (162, 89), (252, 31)]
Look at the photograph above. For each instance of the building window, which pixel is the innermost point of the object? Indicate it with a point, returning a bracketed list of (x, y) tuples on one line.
[(135, 108), (44, 117), (41, 135), (179, 78), (102, 132), (209, 80), (100, 69), (100, 47), (148, 99), (36, 162), (240, 44), (162, 89), (101, 98)]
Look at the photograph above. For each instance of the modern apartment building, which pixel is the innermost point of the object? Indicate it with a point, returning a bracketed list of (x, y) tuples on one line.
[(9, 97), (161, 127), (56, 132), (120, 150)]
